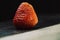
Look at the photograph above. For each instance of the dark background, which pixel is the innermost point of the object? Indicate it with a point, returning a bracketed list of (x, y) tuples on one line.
[(9, 7), (44, 7), (48, 12)]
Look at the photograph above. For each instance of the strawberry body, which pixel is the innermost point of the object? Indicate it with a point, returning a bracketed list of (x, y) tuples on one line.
[(25, 17)]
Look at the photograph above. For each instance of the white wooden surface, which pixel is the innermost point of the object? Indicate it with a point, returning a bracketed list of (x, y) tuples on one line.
[(48, 33)]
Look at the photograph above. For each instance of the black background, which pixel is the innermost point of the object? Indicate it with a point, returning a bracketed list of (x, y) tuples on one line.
[(48, 11), (9, 7)]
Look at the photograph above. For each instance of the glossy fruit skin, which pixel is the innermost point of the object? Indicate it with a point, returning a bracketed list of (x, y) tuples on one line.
[(25, 17)]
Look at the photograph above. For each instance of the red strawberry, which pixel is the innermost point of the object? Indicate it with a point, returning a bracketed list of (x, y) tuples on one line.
[(25, 17)]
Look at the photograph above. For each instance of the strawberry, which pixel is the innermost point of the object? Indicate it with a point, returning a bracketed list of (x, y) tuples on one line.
[(25, 17)]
